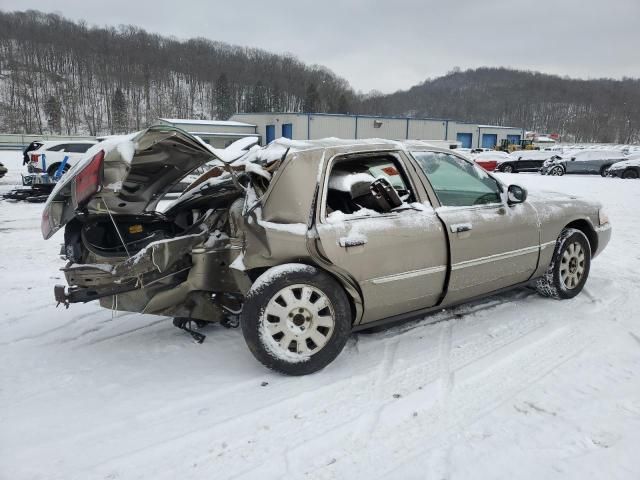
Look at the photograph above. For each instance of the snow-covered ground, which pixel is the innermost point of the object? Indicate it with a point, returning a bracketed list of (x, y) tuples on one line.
[(516, 386)]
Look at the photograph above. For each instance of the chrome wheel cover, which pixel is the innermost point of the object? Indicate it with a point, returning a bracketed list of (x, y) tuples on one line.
[(297, 322), (556, 171), (572, 265)]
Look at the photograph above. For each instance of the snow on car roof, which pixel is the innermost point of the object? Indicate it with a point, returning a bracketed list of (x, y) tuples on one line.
[(533, 154), (277, 148)]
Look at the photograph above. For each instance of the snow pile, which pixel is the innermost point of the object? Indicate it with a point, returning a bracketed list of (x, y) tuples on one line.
[(339, 216), (263, 155), (256, 169), (233, 152)]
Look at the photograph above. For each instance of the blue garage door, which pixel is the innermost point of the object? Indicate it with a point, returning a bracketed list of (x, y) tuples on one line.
[(271, 133), (489, 140), (466, 139), (515, 139), (287, 130)]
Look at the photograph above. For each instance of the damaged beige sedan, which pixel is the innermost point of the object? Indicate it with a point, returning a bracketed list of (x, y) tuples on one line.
[(302, 243)]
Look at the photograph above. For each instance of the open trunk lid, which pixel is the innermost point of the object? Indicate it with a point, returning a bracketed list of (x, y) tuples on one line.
[(137, 170)]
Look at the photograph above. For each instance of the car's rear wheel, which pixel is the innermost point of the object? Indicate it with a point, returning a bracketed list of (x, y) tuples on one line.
[(557, 171), (604, 171), (569, 268), (507, 168), (296, 319), (630, 173)]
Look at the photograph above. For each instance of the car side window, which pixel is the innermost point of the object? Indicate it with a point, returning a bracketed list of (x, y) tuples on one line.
[(456, 181), (367, 185), (57, 148), (78, 147)]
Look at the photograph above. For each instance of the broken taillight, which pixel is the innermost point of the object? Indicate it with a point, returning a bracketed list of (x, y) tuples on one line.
[(88, 181)]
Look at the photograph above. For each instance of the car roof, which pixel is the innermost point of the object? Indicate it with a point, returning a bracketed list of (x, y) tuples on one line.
[(298, 174)]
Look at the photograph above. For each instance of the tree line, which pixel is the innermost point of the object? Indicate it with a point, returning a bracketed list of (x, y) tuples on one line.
[(60, 76)]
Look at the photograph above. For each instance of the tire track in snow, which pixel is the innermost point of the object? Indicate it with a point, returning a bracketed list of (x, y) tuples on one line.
[(44, 333), (447, 377), (412, 379), (480, 388), (368, 422)]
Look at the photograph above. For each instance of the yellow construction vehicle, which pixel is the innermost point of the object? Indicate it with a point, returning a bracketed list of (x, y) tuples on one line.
[(507, 146)]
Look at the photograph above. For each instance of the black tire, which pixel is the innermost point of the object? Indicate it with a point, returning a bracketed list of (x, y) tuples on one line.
[(556, 171), (604, 171), (630, 173), (508, 168), (256, 321), (552, 283), (51, 171)]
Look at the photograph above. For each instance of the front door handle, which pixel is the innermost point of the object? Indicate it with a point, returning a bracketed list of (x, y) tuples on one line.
[(461, 227)]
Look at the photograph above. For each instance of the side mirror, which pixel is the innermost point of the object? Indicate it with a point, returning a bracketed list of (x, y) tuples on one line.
[(516, 194)]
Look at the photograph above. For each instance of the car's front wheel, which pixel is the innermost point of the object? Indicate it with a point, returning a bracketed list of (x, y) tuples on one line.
[(569, 266), (604, 171), (630, 173), (556, 171), (296, 319)]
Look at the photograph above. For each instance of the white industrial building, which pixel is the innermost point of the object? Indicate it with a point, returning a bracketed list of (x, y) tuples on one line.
[(217, 133), (310, 126)]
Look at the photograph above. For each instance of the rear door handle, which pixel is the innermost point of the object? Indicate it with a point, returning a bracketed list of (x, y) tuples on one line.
[(347, 242), (461, 227)]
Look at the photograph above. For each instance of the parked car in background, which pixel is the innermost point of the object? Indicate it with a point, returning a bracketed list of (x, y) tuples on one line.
[(585, 161), (525, 161), (489, 160), (305, 242), (465, 151), (3, 170), (626, 168), (50, 154)]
